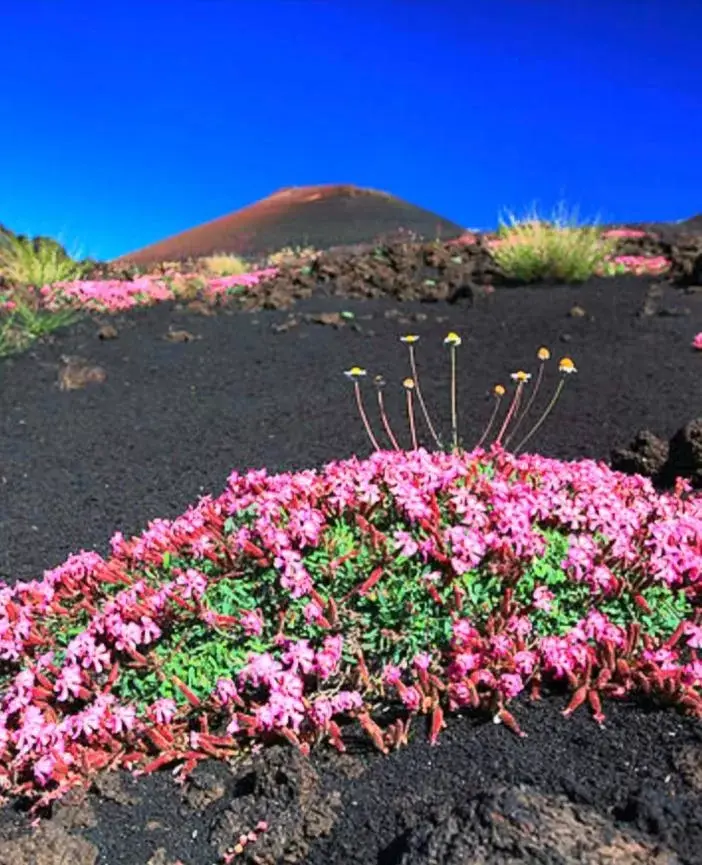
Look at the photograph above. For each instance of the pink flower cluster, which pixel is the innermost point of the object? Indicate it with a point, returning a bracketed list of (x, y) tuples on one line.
[(113, 295), (59, 719), (624, 233), (641, 264)]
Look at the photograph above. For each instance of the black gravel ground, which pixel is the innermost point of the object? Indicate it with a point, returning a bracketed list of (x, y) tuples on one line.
[(173, 418)]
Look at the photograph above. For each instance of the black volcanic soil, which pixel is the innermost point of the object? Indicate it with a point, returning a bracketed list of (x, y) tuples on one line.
[(170, 418)]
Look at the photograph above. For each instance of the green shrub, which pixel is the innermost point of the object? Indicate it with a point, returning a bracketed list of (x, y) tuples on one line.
[(534, 249), (225, 264), (39, 261)]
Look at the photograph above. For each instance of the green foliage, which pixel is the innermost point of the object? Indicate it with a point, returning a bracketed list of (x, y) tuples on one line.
[(26, 265), (533, 249), (28, 322), (226, 264), (36, 261)]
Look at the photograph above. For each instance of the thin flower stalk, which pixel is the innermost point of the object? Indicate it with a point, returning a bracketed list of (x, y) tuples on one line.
[(521, 378), (543, 355), (566, 366), (409, 340), (499, 392), (379, 382), (453, 340), (409, 386), (354, 374)]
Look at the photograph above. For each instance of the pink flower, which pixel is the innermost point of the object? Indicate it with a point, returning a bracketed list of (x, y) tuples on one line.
[(121, 718), (34, 729), (422, 661), (300, 656), (252, 623), (667, 659), (695, 632), (128, 636), (260, 669), (347, 701), (43, 769), (525, 662), (163, 711), (464, 663), (391, 674), (693, 673), (460, 694), (519, 625), (193, 583), (86, 722), (329, 657), (406, 544), (501, 645), (150, 630), (281, 711), (322, 711), (511, 684), (558, 655), (485, 677), (288, 684), (463, 631), (313, 613), (697, 341), (226, 691), (411, 698), (99, 658), (542, 599), (294, 576), (68, 683)]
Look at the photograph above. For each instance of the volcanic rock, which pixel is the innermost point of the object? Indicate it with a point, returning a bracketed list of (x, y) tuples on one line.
[(686, 257), (646, 455), (663, 462)]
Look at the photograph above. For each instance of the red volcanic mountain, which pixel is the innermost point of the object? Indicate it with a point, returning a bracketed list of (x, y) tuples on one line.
[(318, 216)]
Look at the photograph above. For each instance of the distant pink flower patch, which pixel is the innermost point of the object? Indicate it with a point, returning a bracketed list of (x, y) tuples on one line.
[(463, 240), (624, 232), (641, 264), (697, 341), (221, 284), (108, 294), (114, 295)]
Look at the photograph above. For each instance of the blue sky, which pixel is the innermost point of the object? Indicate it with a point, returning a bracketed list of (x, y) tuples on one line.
[(125, 122)]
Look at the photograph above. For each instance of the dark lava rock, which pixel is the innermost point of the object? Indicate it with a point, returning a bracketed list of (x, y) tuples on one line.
[(401, 270), (522, 825), (48, 845), (646, 455), (685, 458), (283, 789), (686, 257), (663, 462)]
